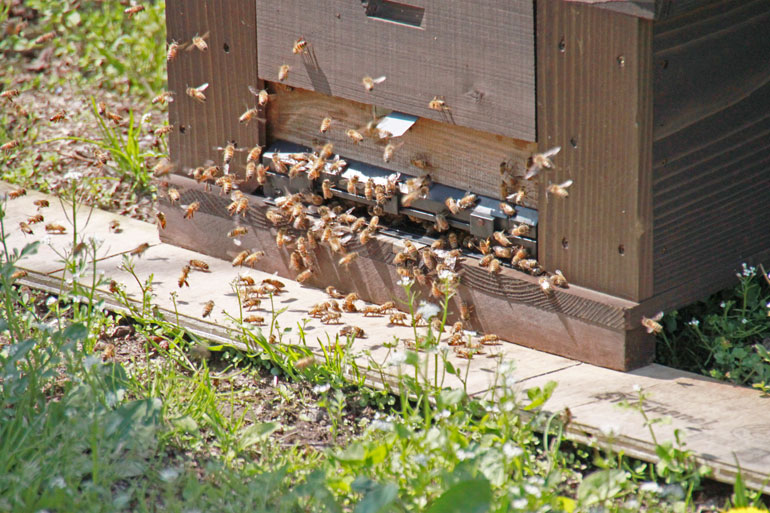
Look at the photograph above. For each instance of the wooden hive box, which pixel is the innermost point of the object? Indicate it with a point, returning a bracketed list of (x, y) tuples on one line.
[(661, 109)]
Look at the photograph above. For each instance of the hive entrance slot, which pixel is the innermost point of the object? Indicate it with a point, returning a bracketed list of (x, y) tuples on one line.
[(394, 12)]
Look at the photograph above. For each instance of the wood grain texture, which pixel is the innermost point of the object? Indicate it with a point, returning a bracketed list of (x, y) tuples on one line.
[(458, 156), (229, 67), (641, 8), (478, 56), (575, 322), (711, 154), (594, 97)]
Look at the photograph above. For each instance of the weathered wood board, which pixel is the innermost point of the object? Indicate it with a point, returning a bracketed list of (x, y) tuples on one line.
[(457, 156), (718, 420), (478, 56)]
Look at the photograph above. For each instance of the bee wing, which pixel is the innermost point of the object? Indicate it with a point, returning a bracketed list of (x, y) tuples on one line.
[(532, 171), (565, 184), (379, 80), (658, 316), (254, 90), (202, 87), (553, 151)]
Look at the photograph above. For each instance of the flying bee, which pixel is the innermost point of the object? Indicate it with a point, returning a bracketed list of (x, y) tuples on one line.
[(163, 130), (162, 168), (253, 258), (507, 209), (652, 324), (354, 135), (226, 182), (517, 197), (140, 249), (7, 147), (252, 303), (183, 277), (390, 149), (304, 275), (237, 231), (438, 104), (452, 205), (467, 201), (162, 98), (17, 193), (521, 230), (352, 186), (261, 172), (132, 10), (248, 116), (326, 123), (540, 161), (161, 218), (10, 94), (173, 50), (55, 228), (48, 36), (173, 195), (208, 308), (18, 274), (58, 117), (191, 209), (559, 189), (199, 42), (414, 195), (370, 82), (262, 95), (300, 46), (347, 259), (24, 227), (502, 239), (283, 72), (254, 154), (239, 258), (196, 93)]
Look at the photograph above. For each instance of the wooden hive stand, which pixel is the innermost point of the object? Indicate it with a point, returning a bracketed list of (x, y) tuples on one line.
[(661, 109)]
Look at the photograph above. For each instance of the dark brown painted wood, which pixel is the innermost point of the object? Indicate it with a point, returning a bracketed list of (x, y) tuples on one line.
[(229, 67), (711, 183), (575, 322), (594, 97), (458, 156), (478, 56)]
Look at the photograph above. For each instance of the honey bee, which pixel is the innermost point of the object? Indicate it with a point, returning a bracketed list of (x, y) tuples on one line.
[(41, 203), (507, 209), (248, 115), (199, 42), (208, 308), (134, 9), (467, 201), (442, 224), (296, 262), (199, 265), (278, 164), (365, 236), (183, 277), (196, 93), (173, 195), (17, 193), (652, 324), (370, 82), (163, 130), (304, 275), (326, 187), (494, 266), (252, 303), (352, 186), (140, 249), (173, 50), (438, 104), (452, 205), (10, 94), (237, 231), (283, 72), (540, 161), (390, 149), (165, 96), (261, 172), (58, 117), (369, 189), (352, 331), (18, 274), (24, 227), (300, 46), (489, 340), (420, 163), (239, 258), (502, 252), (465, 311), (115, 226), (453, 242), (398, 318), (354, 135), (7, 147), (545, 286), (414, 195), (521, 230), (37, 218), (331, 317), (502, 239), (254, 319), (55, 228), (486, 260), (253, 258), (347, 259), (192, 208), (161, 218), (48, 36), (326, 123), (162, 168), (559, 189), (558, 279), (530, 265)]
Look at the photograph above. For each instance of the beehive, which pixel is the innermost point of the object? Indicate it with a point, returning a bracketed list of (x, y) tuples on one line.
[(660, 109)]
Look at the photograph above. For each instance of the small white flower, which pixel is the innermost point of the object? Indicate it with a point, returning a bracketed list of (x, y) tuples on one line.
[(396, 358), (463, 455), (46, 240), (58, 482), (510, 381), (405, 282), (650, 487), (744, 321), (382, 425), (443, 414), (168, 474), (724, 305), (632, 504), (637, 388), (321, 389), (673, 492), (512, 451), (428, 310), (609, 430), (72, 176), (446, 274), (443, 348), (492, 408), (51, 300), (520, 503), (532, 490), (694, 323), (420, 459), (507, 367)]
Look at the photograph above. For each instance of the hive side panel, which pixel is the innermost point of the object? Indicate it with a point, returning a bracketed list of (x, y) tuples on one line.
[(229, 66), (594, 98), (478, 56), (711, 154)]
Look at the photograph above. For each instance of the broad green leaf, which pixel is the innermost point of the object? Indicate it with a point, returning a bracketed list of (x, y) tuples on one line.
[(378, 498), (469, 496), (257, 432), (355, 453), (601, 485)]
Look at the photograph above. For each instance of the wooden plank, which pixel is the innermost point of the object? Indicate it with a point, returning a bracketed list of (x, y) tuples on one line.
[(229, 66), (478, 56), (594, 96), (711, 187), (575, 322), (640, 8), (458, 156)]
